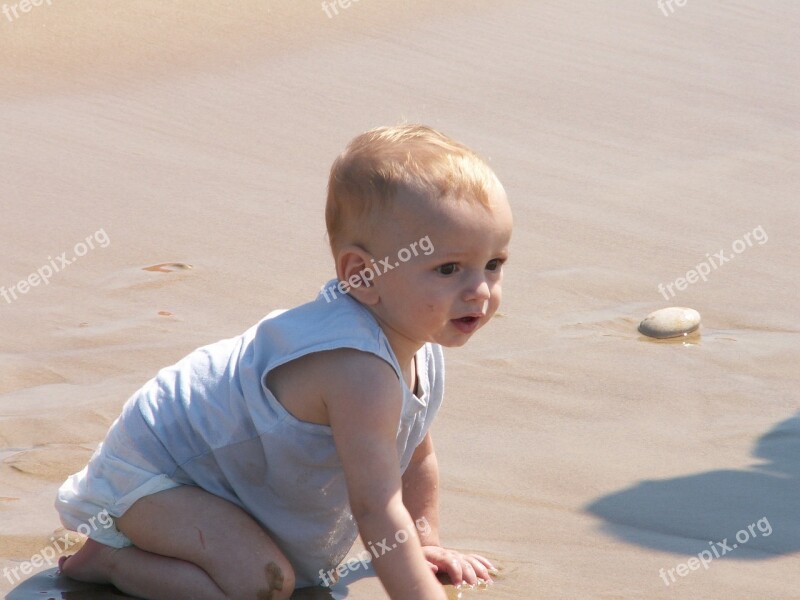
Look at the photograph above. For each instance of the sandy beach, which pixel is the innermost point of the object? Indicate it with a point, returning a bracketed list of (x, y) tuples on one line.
[(636, 141)]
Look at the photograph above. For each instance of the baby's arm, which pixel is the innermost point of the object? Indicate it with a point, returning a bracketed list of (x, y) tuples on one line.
[(421, 498), (421, 492), (364, 402)]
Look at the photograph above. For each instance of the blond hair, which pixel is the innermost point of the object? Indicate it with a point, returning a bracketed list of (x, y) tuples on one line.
[(379, 164)]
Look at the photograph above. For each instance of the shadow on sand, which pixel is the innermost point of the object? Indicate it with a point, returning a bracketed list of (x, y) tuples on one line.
[(684, 514), (49, 585)]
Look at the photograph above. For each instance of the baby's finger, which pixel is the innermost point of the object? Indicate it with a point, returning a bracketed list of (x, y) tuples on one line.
[(468, 574), (454, 570), (484, 561), (480, 570), (434, 568)]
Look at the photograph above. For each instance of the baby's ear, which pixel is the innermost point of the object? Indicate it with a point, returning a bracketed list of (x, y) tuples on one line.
[(353, 268)]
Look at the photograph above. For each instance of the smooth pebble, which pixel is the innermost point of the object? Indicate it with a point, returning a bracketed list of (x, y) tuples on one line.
[(670, 322)]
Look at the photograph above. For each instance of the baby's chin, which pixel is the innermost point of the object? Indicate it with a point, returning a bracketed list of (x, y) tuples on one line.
[(455, 342)]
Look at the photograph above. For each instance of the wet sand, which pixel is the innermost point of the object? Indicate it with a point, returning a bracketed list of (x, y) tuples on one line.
[(634, 146)]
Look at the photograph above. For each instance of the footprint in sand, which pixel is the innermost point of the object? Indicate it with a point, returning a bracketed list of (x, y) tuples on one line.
[(50, 462), (122, 285), (145, 278), (19, 373), (168, 267)]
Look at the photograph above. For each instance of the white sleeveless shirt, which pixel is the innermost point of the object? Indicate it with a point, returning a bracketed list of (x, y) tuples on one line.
[(210, 421)]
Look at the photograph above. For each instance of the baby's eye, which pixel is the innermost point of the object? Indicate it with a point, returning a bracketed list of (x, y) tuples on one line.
[(494, 264), (447, 269)]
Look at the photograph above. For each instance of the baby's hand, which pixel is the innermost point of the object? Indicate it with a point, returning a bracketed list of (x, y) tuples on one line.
[(461, 568)]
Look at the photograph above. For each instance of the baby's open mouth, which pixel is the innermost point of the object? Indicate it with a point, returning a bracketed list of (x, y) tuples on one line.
[(466, 324)]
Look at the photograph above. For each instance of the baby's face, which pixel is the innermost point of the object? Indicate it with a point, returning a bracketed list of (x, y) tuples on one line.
[(450, 286)]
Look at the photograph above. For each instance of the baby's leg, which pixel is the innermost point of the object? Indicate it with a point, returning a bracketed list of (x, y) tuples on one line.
[(188, 544)]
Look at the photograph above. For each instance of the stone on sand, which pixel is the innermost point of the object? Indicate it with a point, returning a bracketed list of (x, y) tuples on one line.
[(670, 322)]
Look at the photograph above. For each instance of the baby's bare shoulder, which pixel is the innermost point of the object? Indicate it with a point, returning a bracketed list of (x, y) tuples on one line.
[(311, 386), (347, 369)]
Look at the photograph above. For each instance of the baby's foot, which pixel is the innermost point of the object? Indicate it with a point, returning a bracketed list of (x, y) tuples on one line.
[(91, 564)]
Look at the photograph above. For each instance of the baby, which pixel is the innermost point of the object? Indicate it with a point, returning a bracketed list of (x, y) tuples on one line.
[(248, 468)]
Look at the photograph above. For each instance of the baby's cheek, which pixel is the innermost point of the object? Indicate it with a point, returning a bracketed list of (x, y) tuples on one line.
[(496, 296)]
